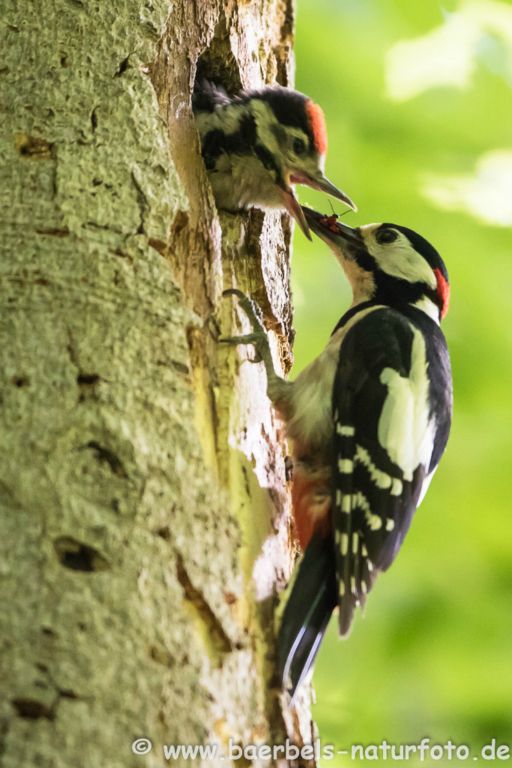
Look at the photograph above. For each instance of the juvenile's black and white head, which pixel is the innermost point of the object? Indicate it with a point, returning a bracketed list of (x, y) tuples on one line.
[(258, 144), (388, 263)]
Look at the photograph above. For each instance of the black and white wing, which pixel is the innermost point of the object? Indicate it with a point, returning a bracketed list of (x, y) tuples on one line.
[(392, 411)]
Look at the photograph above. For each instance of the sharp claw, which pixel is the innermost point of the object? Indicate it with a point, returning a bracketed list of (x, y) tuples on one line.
[(234, 292), (258, 338)]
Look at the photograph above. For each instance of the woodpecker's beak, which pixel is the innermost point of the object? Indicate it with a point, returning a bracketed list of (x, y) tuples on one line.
[(333, 231), (320, 182), (294, 208)]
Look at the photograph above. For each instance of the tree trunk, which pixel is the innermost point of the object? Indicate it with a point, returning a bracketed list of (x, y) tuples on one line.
[(144, 506)]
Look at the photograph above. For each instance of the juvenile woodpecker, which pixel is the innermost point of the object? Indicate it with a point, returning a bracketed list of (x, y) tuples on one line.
[(257, 145), (368, 419)]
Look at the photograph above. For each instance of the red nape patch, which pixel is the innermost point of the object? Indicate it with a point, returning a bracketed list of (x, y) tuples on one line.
[(317, 124), (443, 291)]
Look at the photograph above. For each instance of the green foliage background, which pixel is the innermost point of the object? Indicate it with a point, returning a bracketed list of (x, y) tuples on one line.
[(433, 655)]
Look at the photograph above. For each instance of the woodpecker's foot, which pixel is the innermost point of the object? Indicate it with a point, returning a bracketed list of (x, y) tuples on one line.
[(258, 338), (277, 388)]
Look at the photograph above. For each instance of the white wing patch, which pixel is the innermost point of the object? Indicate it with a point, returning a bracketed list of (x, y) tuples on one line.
[(404, 430)]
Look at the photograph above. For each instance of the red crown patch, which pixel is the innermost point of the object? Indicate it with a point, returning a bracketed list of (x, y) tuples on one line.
[(317, 124)]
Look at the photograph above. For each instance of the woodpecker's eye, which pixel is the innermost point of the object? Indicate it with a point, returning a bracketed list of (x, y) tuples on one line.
[(299, 146), (386, 236)]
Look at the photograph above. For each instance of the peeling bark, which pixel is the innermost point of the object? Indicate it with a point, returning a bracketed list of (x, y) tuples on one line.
[(144, 508)]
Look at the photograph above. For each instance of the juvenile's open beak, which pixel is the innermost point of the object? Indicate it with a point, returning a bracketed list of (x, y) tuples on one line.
[(294, 208), (320, 182), (331, 230)]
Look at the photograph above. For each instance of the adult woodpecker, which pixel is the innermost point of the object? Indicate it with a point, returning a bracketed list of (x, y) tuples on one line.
[(369, 419), (257, 145)]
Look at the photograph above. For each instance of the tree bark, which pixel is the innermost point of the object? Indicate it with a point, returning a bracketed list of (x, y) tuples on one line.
[(144, 505)]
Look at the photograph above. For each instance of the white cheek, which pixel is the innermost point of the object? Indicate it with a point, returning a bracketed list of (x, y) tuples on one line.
[(400, 260)]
